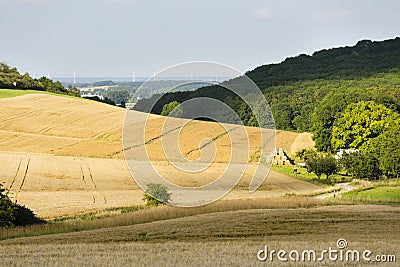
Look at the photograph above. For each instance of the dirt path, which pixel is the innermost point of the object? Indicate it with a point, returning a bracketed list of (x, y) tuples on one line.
[(345, 187)]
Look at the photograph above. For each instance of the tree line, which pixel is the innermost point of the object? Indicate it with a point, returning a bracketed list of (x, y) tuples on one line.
[(10, 78), (306, 93), (347, 97)]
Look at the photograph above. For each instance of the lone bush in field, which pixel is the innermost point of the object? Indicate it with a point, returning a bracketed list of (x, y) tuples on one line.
[(156, 194)]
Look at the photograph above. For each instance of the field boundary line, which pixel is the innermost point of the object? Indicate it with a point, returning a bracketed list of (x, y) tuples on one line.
[(148, 142), (212, 140)]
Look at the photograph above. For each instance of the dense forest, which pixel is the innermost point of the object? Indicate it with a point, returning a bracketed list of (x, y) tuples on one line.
[(10, 78), (309, 93)]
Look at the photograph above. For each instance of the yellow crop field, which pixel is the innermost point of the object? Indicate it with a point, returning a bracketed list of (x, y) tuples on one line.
[(73, 127), (61, 156), (59, 125), (58, 186)]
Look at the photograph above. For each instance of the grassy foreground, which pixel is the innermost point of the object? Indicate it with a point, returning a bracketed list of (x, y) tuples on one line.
[(145, 215), (230, 238)]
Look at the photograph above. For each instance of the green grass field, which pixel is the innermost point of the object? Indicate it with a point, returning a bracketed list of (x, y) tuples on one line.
[(302, 174), (375, 195), (388, 183), (7, 93), (374, 192)]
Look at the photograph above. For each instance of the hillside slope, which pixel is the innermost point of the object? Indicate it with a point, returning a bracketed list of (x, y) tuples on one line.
[(307, 93), (65, 126), (295, 87), (62, 156), (364, 59), (60, 125)]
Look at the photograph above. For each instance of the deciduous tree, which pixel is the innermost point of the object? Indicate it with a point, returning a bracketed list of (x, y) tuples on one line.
[(359, 123), (386, 148), (172, 109)]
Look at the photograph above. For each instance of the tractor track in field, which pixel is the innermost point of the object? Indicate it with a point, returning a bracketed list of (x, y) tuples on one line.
[(92, 182), (148, 142), (83, 177), (23, 177), (16, 173), (26, 172), (44, 135), (43, 131)]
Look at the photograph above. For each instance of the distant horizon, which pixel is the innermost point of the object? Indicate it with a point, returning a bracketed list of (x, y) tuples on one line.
[(80, 80), (117, 37), (144, 78)]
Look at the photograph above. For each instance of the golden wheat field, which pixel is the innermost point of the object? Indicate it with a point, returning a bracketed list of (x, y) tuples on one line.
[(61, 156), (56, 186), (66, 126)]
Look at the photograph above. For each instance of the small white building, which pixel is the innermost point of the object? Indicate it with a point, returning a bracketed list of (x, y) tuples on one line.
[(342, 151), (89, 94)]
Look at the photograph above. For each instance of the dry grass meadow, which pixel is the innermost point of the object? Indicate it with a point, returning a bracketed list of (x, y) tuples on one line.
[(230, 238)]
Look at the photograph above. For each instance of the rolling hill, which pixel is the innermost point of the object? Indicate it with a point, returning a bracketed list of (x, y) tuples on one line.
[(307, 93), (63, 155)]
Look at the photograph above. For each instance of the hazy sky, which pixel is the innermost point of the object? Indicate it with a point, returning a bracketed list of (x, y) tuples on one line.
[(118, 37)]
